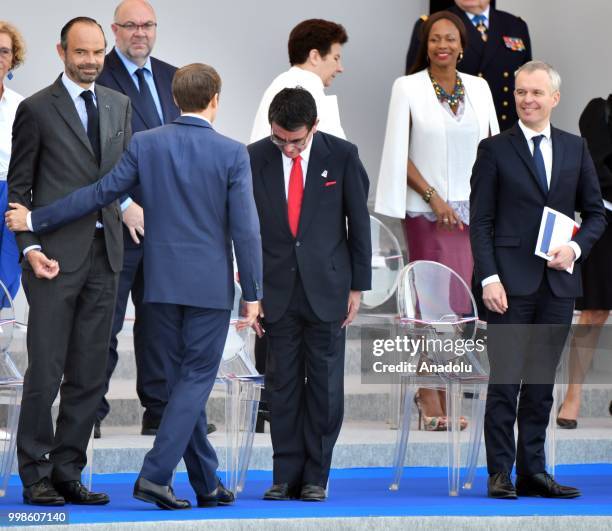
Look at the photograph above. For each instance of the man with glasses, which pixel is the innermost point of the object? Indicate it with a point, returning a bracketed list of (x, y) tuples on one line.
[(311, 192), (130, 69)]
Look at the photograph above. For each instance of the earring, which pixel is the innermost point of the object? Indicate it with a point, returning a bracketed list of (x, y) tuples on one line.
[(10, 75), (460, 58)]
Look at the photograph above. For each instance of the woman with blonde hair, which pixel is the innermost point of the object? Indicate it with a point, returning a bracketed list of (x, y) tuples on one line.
[(12, 53)]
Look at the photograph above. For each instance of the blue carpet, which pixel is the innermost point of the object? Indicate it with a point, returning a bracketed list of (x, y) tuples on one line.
[(353, 493)]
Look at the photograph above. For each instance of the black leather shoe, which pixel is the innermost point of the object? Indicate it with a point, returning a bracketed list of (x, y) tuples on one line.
[(161, 495), (312, 493), (567, 424), (42, 493), (500, 486), (543, 485), (149, 427), (280, 492), (219, 496), (210, 428), (97, 430), (77, 493)]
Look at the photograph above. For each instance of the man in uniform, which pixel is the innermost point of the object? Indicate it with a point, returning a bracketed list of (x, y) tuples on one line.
[(498, 44)]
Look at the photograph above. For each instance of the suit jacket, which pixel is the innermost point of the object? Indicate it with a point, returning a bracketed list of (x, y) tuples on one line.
[(506, 207), (495, 60), (596, 127), (416, 130), (197, 196), (332, 251), (52, 156), (114, 75)]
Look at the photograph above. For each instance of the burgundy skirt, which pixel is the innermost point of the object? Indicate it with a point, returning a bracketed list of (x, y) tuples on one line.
[(451, 248)]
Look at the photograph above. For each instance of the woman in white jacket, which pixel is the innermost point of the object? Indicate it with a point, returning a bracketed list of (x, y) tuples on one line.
[(437, 117)]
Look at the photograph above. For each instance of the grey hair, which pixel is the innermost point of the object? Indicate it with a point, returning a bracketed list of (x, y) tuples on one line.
[(532, 66)]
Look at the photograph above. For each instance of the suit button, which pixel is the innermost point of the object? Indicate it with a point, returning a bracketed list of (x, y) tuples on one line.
[(506, 74), (297, 244), (293, 269), (505, 103), (503, 117), (506, 89)]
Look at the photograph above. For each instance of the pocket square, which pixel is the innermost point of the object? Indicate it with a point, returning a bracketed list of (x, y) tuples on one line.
[(330, 183)]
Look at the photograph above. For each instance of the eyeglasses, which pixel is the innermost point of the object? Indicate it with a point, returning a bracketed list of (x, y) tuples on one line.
[(6, 52), (131, 27), (299, 143)]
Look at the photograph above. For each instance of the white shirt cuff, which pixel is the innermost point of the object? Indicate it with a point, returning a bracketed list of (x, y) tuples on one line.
[(251, 302), (31, 248), (29, 222), (577, 250), (126, 204), (490, 280)]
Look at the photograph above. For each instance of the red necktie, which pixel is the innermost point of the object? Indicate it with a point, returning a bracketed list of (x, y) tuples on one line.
[(295, 194)]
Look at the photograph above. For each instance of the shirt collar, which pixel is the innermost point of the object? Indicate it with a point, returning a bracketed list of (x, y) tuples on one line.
[(8, 95), (485, 14), (74, 89), (194, 115), (305, 154), (307, 73), (132, 67), (530, 133)]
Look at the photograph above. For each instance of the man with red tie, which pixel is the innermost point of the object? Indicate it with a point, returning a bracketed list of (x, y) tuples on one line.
[(311, 192)]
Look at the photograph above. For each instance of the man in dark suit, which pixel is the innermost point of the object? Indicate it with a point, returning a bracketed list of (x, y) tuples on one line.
[(498, 43), (203, 181), (311, 192), (127, 65), (65, 137), (530, 301)]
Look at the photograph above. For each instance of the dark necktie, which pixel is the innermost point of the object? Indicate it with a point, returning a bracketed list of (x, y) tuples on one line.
[(146, 99), (93, 123), (538, 161), (479, 22)]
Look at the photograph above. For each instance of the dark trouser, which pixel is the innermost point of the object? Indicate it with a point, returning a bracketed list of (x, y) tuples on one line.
[(523, 361), (305, 416), (150, 379), (261, 353), (190, 340), (69, 328)]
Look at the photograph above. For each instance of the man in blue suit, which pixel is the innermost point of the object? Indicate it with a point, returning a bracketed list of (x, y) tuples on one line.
[(530, 301), (147, 81), (198, 198)]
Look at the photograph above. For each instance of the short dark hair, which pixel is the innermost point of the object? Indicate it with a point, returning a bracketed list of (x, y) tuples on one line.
[(420, 61), (194, 86), (72, 22), (293, 108), (314, 34)]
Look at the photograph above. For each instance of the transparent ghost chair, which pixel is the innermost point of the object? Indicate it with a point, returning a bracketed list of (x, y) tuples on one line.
[(436, 307), (387, 262), (242, 384), (11, 386)]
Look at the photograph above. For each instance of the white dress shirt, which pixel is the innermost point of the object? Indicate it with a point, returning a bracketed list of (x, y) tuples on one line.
[(547, 154), (8, 107), (288, 164), (327, 106)]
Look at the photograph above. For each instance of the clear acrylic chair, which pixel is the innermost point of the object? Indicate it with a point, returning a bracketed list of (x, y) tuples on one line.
[(242, 385), (434, 303), (11, 386), (387, 262)]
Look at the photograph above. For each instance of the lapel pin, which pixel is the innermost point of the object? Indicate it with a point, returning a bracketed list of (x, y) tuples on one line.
[(324, 174)]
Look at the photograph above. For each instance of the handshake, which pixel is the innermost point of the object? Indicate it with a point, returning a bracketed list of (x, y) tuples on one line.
[(16, 221)]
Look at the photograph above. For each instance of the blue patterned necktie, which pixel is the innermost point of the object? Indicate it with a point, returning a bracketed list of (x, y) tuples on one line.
[(538, 160), (146, 98), (479, 22)]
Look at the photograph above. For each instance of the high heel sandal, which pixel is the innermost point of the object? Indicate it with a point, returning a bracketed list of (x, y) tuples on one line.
[(428, 423), (566, 424)]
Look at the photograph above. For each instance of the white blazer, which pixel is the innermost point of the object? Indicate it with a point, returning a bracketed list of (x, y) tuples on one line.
[(413, 99)]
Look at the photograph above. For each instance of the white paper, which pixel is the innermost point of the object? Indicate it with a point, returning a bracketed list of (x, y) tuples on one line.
[(555, 229)]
